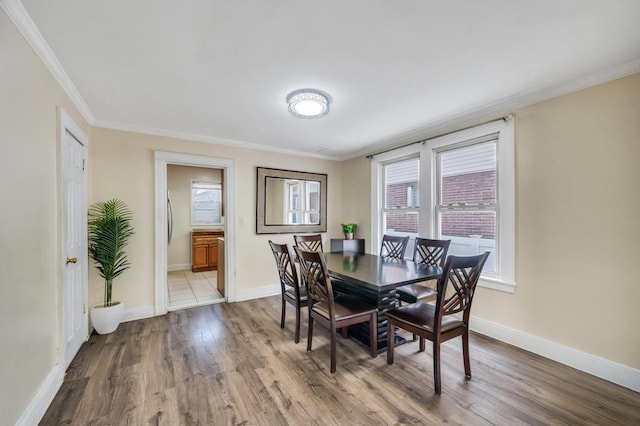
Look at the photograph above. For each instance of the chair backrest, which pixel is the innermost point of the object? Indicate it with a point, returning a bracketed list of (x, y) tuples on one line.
[(393, 246), (431, 252), (459, 279), (286, 268), (315, 277), (309, 242)]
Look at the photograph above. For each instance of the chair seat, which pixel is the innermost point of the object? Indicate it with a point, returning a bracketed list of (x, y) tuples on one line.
[(422, 315), (345, 307), (412, 293), (291, 294)]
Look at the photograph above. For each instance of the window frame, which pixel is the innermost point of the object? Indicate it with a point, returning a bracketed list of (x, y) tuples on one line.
[(504, 280)]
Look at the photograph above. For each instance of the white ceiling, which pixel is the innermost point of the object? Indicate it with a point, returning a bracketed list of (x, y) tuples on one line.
[(395, 70)]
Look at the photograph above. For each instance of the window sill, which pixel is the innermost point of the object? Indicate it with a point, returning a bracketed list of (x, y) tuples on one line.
[(496, 284)]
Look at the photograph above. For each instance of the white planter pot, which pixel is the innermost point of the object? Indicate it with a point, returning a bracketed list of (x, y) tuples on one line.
[(106, 319)]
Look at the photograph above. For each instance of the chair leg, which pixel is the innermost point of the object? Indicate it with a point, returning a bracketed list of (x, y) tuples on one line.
[(390, 342), (465, 355), (345, 332), (333, 348), (310, 332), (373, 334), (436, 366), (284, 310), (297, 336), (422, 344)]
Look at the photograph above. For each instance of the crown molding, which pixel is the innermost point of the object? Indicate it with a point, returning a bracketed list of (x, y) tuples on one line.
[(21, 19), (112, 125), (473, 116), (454, 121)]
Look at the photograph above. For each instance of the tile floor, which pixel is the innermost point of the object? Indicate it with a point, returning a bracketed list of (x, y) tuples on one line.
[(188, 289)]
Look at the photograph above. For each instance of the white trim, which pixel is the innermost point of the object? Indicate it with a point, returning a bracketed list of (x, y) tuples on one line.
[(471, 117), (179, 267), (189, 305), (21, 19), (612, 371), (138, 312), (43, 398), (258, 292), (162, 159), (462, 118), (495, 284), (203, 138)]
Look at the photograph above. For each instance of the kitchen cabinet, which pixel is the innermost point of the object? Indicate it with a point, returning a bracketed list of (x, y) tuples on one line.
[(204, 245)]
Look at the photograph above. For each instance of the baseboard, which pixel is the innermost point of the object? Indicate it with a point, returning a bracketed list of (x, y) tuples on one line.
[(257, 292), (179, 267), (43, 398), (612, 371), (139, 312)]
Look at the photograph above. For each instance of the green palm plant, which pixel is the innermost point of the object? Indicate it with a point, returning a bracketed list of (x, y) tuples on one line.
[(109, 229)]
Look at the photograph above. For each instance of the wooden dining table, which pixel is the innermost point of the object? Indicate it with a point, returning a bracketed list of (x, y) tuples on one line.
[(374, 279)]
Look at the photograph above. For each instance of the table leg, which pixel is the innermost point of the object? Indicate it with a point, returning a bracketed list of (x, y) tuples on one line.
[(384, 301)]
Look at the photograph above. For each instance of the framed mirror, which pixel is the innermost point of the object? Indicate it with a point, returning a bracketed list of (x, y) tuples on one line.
[(290, 202)]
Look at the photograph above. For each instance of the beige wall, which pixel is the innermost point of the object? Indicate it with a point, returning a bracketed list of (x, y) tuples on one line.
[(179, 185), (578, 222), (122, 166), (357, 198), (30, 271), (578, 228)]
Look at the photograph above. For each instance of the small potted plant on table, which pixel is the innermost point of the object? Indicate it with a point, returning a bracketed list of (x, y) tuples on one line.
[(349, 229), (109, 229)]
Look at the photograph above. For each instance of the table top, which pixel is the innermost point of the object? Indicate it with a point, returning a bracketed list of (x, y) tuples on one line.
[(378, 273)]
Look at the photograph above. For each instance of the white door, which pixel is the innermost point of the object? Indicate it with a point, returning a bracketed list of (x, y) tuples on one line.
[(75, 318)]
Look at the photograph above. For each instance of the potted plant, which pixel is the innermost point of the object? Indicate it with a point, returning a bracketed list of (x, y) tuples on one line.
[(349, 229), (109, 229)]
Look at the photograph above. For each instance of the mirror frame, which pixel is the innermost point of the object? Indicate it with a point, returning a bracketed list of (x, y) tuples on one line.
[(262, 228)]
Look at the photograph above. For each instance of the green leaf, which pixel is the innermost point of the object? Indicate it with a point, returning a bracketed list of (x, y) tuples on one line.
[(109, 230)]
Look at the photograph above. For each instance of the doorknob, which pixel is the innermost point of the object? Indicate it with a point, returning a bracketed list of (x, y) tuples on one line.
[(71, 260)]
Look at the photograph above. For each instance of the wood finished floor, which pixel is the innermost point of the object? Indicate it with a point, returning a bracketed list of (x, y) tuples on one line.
[(231, 364)]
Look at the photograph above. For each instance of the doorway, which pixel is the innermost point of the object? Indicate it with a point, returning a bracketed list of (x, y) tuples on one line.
[(195, 255), (162, 161)]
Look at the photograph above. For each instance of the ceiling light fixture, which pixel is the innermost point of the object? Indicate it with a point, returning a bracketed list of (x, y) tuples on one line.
[(308, 103)]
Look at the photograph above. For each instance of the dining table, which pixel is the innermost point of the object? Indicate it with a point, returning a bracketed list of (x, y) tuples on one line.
[(374, 279)]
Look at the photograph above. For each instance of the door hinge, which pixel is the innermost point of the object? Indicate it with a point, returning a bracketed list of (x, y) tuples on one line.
[(84, 309), (83, 160)]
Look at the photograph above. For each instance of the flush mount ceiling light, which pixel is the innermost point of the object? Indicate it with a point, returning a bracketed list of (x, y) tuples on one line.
[(308, 103)]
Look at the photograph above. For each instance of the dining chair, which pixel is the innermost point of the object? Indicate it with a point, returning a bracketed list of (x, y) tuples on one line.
[(393, 247), (426, 252), (291, 291), (437, 323), (309, 242), (333, 311)]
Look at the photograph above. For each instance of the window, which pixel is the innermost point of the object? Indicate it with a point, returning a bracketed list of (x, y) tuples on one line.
[(466, 183), (401, 211), (206, 203), (303, 202), (466, 210)]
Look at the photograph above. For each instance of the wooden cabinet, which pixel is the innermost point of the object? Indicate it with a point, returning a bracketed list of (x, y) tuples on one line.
[(204, 250)]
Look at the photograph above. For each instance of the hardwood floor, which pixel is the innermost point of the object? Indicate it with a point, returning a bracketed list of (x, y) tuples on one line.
[(231, 364)]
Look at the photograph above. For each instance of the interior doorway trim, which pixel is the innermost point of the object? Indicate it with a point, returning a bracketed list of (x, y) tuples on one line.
[(162, 159)]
